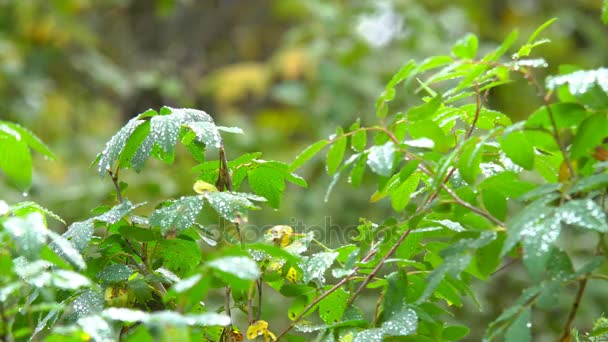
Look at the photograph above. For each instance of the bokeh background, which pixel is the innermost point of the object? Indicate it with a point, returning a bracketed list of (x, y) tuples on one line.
[(286, 71)]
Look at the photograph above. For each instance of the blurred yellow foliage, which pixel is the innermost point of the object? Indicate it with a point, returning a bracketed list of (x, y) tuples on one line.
[(293, 64), (235, 82)]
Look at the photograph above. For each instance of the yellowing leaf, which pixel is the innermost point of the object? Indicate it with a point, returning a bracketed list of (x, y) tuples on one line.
[(260, 328), (280, 235), (292, 275), (202, 187)]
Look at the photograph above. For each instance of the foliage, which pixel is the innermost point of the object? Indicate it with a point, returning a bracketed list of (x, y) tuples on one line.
[(469, 190)]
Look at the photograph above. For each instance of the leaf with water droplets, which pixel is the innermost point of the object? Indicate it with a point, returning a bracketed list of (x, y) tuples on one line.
[(22, 208), (401, 323), (585, 214), (519, 330), (231, 205), (179, 255), (179, 215), (66, 250), (115, 273), (332, 307), (380, 159), (88, 303), (453, 265), (28, 234), (114, 147), (161, 318), (80, 233), (509, 315), (579, 82), (314, 267), (236, 271), (97, 328)]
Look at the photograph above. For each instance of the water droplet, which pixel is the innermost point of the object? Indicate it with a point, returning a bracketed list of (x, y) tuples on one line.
[(24, 194)]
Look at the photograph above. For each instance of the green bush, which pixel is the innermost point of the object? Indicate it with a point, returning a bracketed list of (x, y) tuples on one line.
[(471, 192)]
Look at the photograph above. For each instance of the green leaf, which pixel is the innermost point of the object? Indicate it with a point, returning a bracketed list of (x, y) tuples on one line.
[(589, 183), (133, 146), (429, 129), (401, 323), (26, 136), (566, 115), (517, 147), (401, 194), (231, 205), (179, 255), (23, 208), (115, 146), (269, 183), (466, 47), (519, 331), (380, 159), (116, 273), (469, 161), (425, 110), (538, 237), (308, 153), (584, 213), (512, 313), (314, 267), (581, 81), (332, 307), (162, 318), (455, 332), (178, 216), (358, 170), (236, 271), (28, 234), (454, 265), (358, 140), (540, 29), (15, 162), (605, 12), (495, 203), (394, 296), (506, 44), (590, 134), (336, 152)]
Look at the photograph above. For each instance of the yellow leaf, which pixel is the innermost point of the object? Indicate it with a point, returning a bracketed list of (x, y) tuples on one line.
[(292, 275), (202, 187), (280, 234)]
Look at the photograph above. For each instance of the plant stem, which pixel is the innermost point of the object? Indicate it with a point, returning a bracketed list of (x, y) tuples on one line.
[(339, 284)]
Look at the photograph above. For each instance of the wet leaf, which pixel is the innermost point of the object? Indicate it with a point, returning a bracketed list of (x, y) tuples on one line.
[(178, 216), (314, 267)]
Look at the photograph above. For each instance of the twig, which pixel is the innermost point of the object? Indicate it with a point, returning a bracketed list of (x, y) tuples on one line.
[(114, 176), (472, 208), (477, 111), (582, 284), (339, 284), (379, 265), (142, 268)]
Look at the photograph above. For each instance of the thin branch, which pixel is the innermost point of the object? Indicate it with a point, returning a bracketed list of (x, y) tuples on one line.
[(577, 301), (339, 284), (379, 265), (472, 208), (114, 176), (477, 111)]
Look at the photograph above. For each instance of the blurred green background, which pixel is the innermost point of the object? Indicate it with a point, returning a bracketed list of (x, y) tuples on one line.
[(286, 71)]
